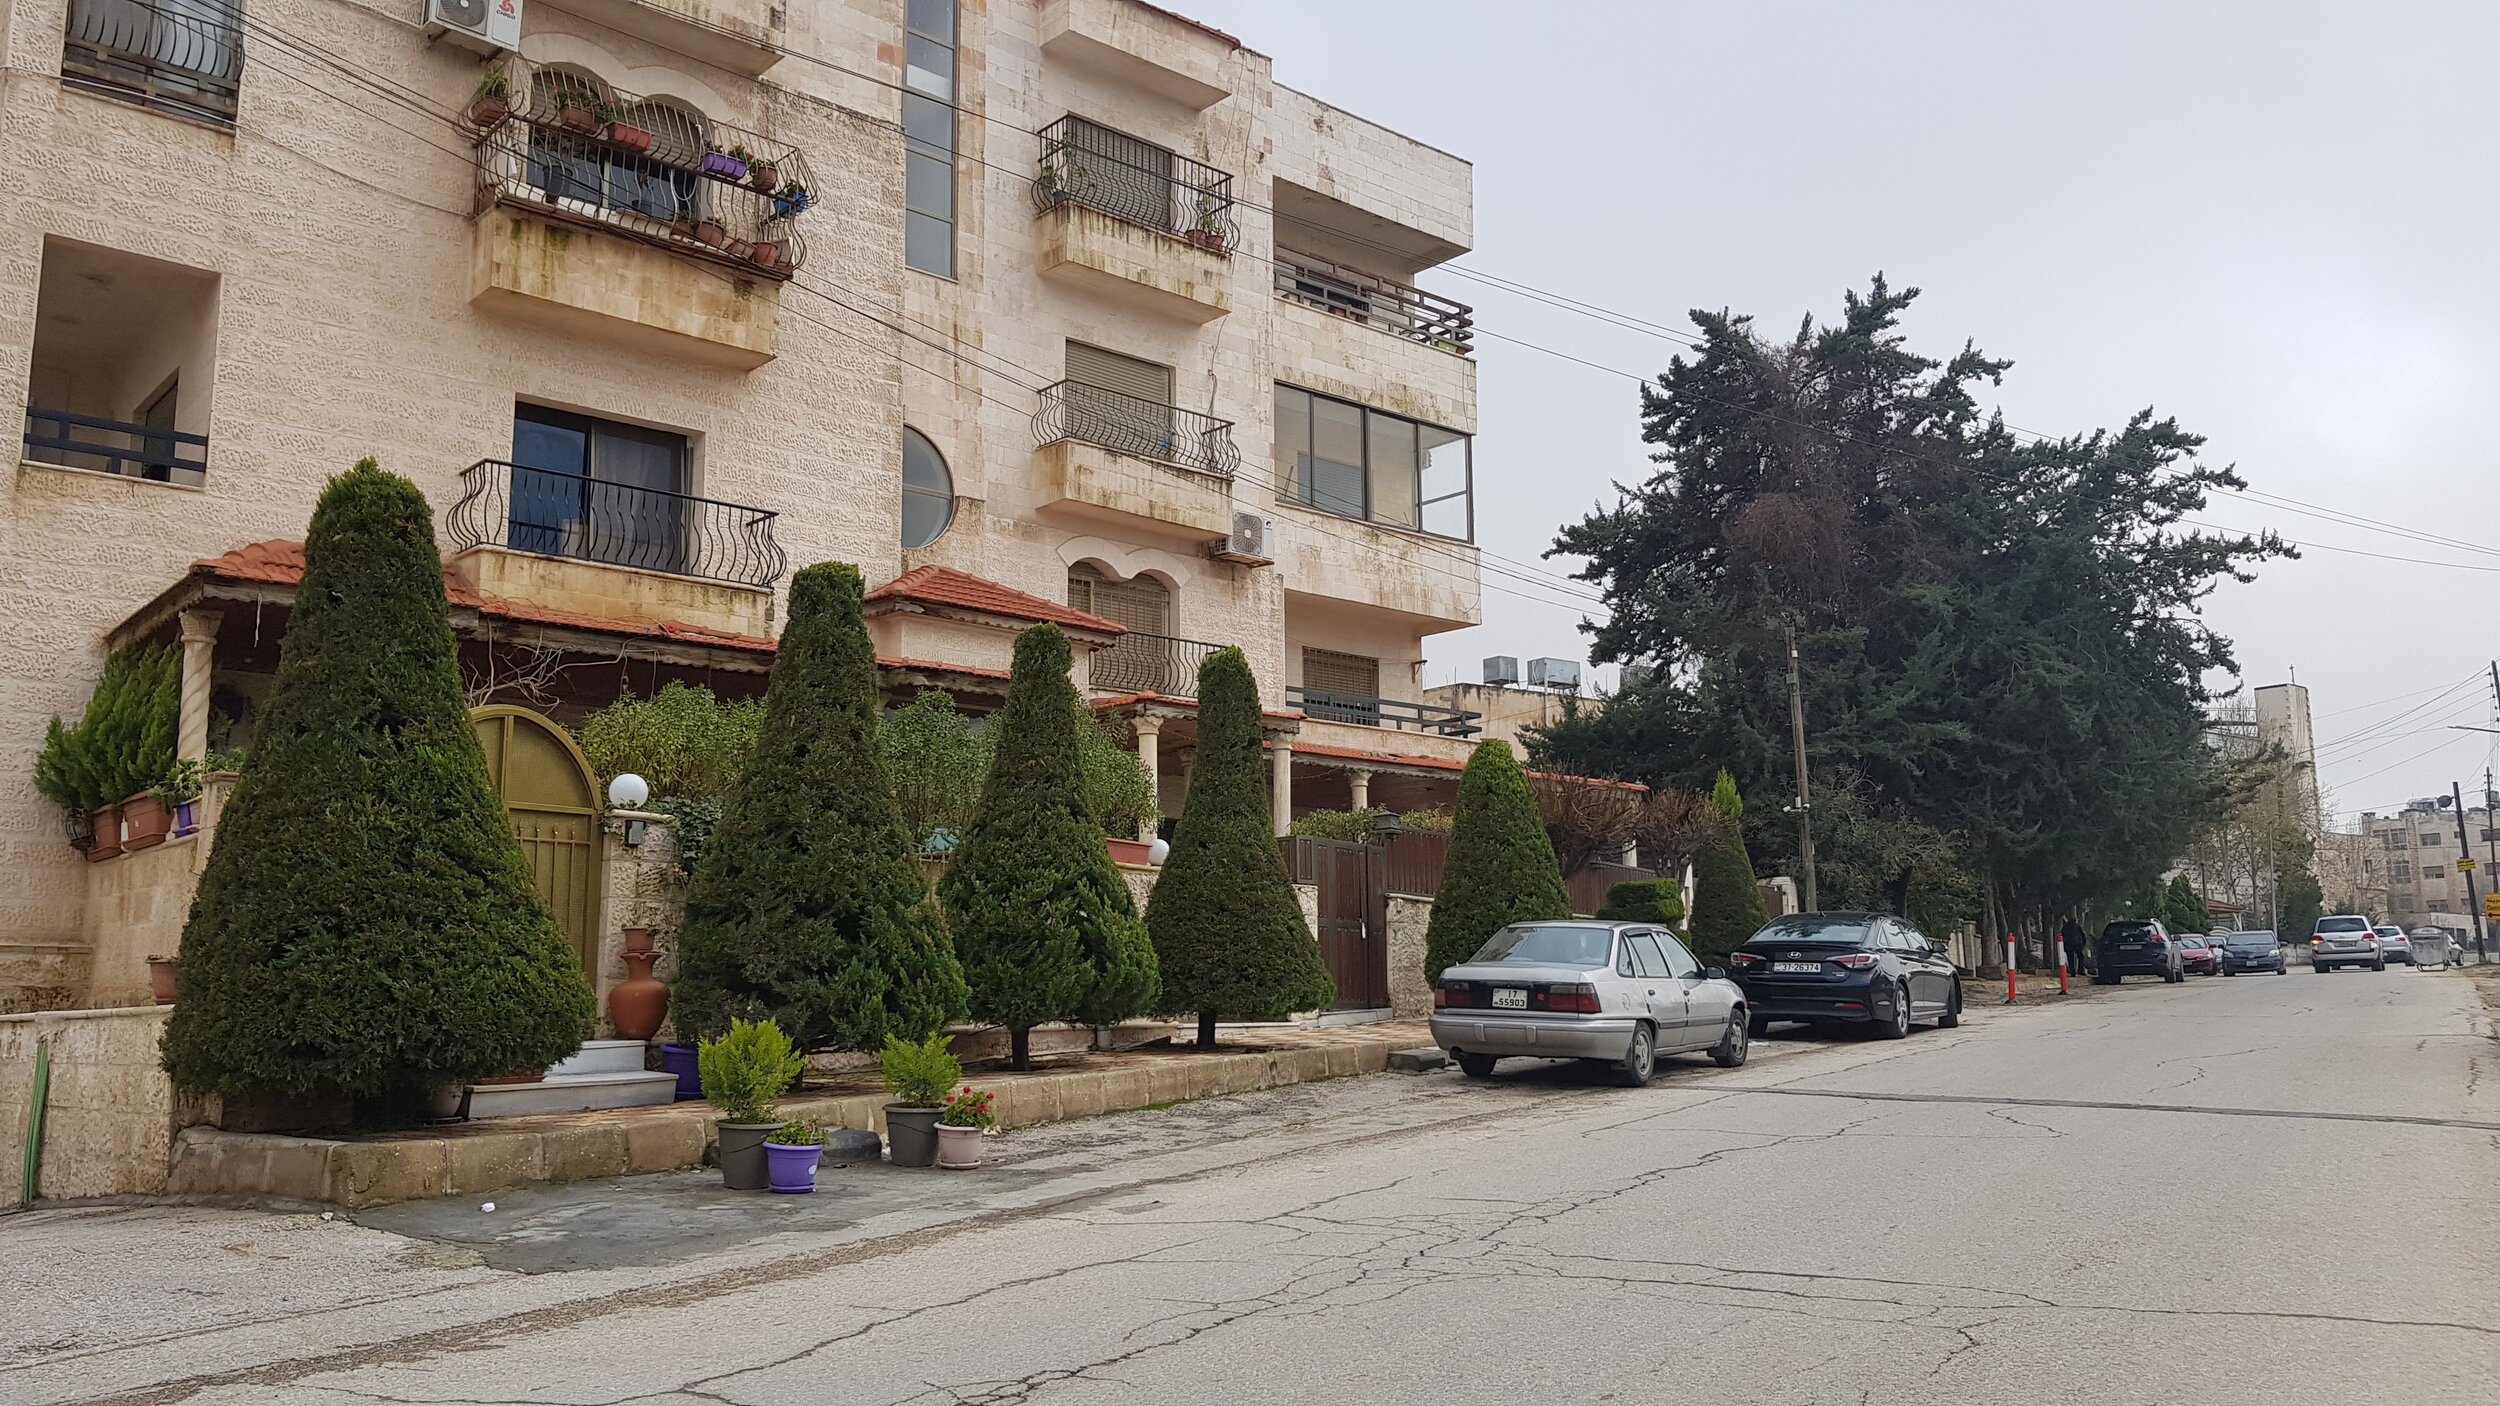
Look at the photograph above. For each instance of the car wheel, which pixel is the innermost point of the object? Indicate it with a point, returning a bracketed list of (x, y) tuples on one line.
[(2380, 965), (1640, 1061), (1898, 1026), (2282, 969), (1734, 1044), (1758, 1026), (2320, 968), (1475, 1066), (1952, 1009)]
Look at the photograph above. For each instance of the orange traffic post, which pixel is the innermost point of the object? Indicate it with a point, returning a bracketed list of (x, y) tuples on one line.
[(2062, 988), (2009, 969)]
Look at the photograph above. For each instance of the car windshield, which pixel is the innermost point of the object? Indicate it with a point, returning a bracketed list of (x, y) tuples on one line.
[(1550, 944), (2250, 939), (1825, 929), (2343, 925), (2128, 930)]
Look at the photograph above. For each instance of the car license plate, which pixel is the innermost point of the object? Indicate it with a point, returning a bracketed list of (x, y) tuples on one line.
[(1796, 966), (1510, 998)]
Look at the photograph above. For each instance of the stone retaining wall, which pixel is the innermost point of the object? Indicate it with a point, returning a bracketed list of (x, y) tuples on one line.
[(109, 1120)]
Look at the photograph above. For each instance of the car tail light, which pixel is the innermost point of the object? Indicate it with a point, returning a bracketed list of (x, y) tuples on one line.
[(1573, 998), (1743, 959), (1855, 961), (2314, 941), (1456, 995)]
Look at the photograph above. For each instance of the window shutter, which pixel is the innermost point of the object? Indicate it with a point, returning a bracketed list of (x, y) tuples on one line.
[(1128, 375), (1143, 604), (1332, 672)]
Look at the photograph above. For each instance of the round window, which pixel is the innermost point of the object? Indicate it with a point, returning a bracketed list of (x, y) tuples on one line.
[(928, 491)]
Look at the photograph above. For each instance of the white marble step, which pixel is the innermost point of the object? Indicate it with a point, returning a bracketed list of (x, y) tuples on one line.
[(602, 1057), (572, 1093)]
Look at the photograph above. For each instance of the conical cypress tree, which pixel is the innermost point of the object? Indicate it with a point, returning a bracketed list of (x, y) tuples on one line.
[(1042, 919), (807, 907), (367, 925), (1228, 932), (1727, 907), (1501, 868)]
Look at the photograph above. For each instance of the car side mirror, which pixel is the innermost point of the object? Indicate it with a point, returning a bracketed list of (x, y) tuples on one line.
[(1714, 973)]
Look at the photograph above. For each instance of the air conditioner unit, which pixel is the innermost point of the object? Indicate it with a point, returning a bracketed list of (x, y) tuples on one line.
[(1248, 545), (488, 26), (1555, 673), (1500, 670)]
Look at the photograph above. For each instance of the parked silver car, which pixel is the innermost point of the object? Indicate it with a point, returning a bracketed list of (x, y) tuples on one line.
[(1619, 993), (2393, 942)]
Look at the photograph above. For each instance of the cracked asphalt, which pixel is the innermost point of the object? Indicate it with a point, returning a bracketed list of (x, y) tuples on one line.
[(2252, 1189)]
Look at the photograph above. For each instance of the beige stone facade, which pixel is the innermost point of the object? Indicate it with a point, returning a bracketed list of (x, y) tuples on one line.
[(337, 264)]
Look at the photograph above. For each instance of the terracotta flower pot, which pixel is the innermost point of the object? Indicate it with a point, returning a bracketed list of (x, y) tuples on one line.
[(764, 176), (578, 119), (911, 1134), (767, 253), (711, 232), (625, 136), (1129, 851), (161, 979), (108, 834), (145, 822), (486, 112), (958, 1149), (639, 1004)]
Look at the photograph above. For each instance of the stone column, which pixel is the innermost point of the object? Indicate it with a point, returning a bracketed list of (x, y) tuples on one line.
[(1280, 778), (1360, 784), (199, 659), (1150, 756)]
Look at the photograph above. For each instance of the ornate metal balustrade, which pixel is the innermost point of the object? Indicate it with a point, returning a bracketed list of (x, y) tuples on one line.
[(179, 56), (648, 167), (588, 519), (1368, 711), (1133, 425), (1149, 663), (1379, 302), (116, 447), (1085, 163)]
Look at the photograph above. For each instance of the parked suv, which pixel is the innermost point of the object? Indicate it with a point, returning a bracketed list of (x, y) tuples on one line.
[(2251, 952), (2392, 942), (2345, 940), (2137, 947)]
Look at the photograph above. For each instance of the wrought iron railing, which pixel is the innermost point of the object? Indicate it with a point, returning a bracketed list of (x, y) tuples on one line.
[(1133, 425), (116, 447), (179, 56), (649, 167), (589, 519), (1149, 663), (1369, 711), (1379, 302), (1085, 163)]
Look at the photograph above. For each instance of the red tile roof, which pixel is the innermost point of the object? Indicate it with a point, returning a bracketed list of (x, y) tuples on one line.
[(944, 585)]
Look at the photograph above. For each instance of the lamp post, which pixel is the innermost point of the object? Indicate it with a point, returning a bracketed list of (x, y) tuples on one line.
[(630, 792)]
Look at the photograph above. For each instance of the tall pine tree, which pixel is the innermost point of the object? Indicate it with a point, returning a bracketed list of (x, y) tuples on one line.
[(1043, 921), (1501, 867), (807, 907), (1228, 931)]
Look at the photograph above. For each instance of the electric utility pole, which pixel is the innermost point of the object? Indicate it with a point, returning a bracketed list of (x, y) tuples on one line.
[(1797, 739), (2465, 852)]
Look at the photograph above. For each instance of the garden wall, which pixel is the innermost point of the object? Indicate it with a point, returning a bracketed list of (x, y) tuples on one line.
[(109, 1120)]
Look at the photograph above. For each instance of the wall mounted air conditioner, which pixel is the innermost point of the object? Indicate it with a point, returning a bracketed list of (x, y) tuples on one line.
[(1555, 673), (488, 26), (1501, 670), (1249, 544)]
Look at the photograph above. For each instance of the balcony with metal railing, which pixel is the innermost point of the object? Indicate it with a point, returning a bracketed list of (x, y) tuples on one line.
[(1364, 710), (1141, 662), (154, 452), (541, 511), (182, 57), (1385, 303), (1108, 456), (1135, 220), (1136, 426)]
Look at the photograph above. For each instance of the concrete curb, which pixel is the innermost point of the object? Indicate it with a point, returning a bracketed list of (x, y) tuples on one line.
[(576, 1147)]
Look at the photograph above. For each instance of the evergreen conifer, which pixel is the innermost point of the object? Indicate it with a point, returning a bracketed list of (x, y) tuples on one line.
[(807, 907), (367, 926), (1727, 907), (1501, 867), (1042, 919), (1228, 931)]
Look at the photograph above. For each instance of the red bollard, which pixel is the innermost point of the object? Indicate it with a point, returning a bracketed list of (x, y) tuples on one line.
[(2009, 969), (2062, 988)]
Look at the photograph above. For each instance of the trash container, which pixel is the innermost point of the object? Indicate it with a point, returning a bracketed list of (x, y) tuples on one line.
[(2431, 948)]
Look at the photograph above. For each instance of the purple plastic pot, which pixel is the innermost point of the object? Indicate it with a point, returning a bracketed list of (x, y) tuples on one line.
[(679, 1060), (728, 168), (793, 1169)]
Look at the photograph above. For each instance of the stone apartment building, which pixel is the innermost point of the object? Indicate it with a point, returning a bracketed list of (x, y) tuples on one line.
[(1035, 309), (2411, 856)]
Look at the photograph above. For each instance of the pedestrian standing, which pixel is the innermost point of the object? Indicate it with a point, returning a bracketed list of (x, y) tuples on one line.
[(2077, 948)]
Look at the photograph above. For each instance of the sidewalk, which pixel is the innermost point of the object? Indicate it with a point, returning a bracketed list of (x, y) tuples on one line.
[(469, 1159)]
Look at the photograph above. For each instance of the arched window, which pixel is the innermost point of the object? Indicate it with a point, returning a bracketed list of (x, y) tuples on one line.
[(928, 491)]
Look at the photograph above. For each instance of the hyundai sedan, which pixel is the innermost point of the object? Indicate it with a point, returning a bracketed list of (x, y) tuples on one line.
[(1621, 994), (1848, 967)]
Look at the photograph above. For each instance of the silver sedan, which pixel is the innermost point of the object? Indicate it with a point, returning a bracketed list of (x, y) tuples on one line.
[(1620, 993)]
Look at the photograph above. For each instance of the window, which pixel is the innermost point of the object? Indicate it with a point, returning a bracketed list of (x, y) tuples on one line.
[(598, 490), (1141, 604), (928, 491), (1646, 960), (1679, 961), (2430, 841), (2433, 871), (1119, 401), (1561, 944), (179, 56), (2393, 839), (1328, 671), (929, 137), (2402, 871), (1356, 462)]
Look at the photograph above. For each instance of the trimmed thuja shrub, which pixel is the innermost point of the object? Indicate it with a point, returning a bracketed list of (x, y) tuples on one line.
[(1644, 901), (1727, 906), (807, 907), (1501, 868), (367, 925), (1228, 932), (1042, 918)]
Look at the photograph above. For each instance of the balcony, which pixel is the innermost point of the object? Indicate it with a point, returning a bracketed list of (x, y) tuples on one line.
[(181, 57), (546, 513), (1137, 464), (1149, 663), (1374, 301), (1140, 46), (1135, 221), (151, 452), (1364, 710), (742, 36)]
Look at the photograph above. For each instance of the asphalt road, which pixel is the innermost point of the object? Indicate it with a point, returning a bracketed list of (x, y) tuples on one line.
[(2256, 1189)]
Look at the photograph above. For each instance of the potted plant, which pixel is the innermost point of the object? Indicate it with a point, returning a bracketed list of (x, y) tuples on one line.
[(1210, 232), (709, 230), (492, 102), (683, 221), (790, 200), (1050, 182), (791, 1153), (766, 253), (575, 112), (1129, 851), (730, 166), (145, 821), (744, 1072), (738, 248), (762, 174), (178, 791), (623, 135), (960, 1125), (161, 980), (107, 821), (918, 1074)]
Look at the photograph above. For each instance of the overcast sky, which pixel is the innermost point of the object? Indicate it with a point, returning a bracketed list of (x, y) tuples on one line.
[(2272, 220)]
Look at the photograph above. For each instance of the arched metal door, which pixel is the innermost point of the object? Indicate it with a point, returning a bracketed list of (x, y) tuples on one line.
[(551, 798)]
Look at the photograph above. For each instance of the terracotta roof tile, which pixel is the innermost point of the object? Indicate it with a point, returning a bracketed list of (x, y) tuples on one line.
[(944, 585)]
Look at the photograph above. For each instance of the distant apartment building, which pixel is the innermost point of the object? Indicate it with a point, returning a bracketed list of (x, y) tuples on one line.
[(1512, 700), (2413, 853), (1036, 309)]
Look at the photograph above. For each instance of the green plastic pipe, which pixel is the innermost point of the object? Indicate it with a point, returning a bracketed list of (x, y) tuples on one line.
[(30, 1177)]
